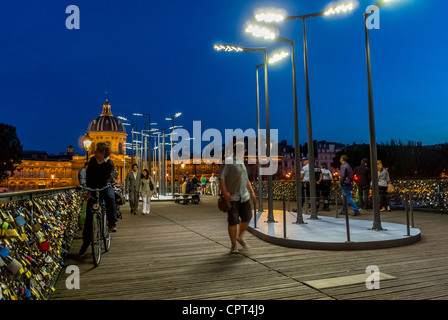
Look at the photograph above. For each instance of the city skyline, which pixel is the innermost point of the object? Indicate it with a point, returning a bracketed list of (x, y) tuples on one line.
[(158, 57)]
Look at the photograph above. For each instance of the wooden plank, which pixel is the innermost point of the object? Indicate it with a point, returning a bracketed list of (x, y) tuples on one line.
[(181, 252)]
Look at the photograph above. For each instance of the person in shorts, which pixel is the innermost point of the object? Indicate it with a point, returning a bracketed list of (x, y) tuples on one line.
[(237, 188)]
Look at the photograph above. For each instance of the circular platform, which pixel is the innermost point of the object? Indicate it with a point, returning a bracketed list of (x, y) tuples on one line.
[(330, 233)]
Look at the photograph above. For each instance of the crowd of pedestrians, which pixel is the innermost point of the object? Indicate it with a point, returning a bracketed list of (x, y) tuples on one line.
[(350, 180)]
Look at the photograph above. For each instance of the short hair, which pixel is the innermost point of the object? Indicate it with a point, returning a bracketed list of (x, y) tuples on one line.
[(134, 165), (104, 147), (364, 161), (344, 157)]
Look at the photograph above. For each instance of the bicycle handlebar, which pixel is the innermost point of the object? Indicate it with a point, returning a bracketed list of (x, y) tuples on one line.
[(96, 190)]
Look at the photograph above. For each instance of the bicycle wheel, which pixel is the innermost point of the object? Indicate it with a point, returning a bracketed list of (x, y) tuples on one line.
[(96, 238), (106, 234)]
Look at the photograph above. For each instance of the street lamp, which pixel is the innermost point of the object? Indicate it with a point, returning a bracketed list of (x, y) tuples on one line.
[(267, 17), (178, 114), (373, 150), (230, 48), (87, 142), (274, 59), (149, 128), (268, 34), (132, 124)]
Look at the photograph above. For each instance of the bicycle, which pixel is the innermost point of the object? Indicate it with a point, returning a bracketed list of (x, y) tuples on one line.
[(99, 226)]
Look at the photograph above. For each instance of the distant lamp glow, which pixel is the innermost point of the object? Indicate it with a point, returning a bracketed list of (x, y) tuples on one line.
[(227, 48), (269, 17), (258, 31), (279, 56), (339, 9)]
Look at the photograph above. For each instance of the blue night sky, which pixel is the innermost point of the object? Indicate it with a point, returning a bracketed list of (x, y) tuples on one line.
[(157, 56)]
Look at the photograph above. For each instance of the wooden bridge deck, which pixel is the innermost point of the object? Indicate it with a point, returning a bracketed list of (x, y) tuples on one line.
[(180, 252)]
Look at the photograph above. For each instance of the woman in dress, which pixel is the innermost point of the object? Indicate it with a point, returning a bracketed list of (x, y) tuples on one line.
[(147, 189), (203, 184)]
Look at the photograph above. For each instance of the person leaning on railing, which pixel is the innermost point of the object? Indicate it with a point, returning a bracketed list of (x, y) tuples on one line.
[(98, 175)]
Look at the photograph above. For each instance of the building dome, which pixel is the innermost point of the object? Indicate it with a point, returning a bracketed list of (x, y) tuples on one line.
[(106, 122)]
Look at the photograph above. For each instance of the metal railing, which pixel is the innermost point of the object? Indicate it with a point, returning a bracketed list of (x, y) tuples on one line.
[(37, 230), (409, 212)]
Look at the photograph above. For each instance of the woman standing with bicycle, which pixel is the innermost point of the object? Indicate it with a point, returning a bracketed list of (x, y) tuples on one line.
[(99, 175), (147, 188)]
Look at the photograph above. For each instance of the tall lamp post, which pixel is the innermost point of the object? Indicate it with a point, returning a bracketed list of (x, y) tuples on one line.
[(269, 17), (271, 35), (149, 140), (132, 124), (230, 48), (373, 149), (178, 114)]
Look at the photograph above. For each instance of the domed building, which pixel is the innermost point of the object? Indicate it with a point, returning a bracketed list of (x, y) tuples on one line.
[(108, 128), (39, 170)]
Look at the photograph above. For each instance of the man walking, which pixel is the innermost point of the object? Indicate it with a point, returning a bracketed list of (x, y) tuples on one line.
[(362, 178), (346, 182), (133, 180), (213, 184)]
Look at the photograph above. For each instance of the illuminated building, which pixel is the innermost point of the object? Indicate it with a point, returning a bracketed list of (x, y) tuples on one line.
[(39, 170)]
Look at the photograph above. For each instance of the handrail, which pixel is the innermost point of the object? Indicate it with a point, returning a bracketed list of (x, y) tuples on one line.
[(29, 194)]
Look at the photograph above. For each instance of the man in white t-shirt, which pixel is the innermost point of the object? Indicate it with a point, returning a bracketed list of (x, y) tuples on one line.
[(325, 185)]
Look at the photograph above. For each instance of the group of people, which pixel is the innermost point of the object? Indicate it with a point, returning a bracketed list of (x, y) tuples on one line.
[(140, 184), (233, 182), (234, 185), (190, 185), (323, 178), (361, 175)]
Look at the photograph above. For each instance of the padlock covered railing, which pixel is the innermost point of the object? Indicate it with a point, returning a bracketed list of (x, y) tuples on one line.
[(36, 232)]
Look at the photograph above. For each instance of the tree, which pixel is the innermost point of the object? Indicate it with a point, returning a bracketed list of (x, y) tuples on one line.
[(10, 150)]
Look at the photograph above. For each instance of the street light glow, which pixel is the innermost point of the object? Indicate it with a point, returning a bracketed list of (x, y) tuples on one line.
[(340, 8), (269, 17), (220, 47), (258, 31), (279, 56)]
